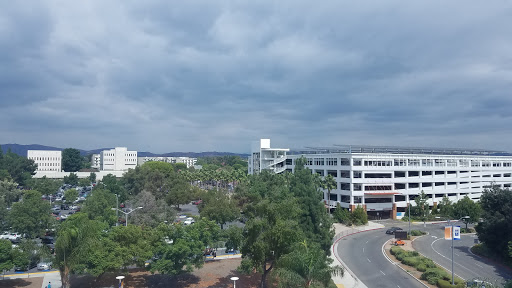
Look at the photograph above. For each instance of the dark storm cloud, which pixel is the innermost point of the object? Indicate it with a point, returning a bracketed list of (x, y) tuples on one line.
[(203, 75)]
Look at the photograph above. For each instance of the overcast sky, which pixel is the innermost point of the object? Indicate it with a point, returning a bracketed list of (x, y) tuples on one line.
[(166, 76)]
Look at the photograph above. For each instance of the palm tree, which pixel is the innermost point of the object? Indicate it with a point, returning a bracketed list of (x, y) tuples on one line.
[(305, 266), (329, 183)]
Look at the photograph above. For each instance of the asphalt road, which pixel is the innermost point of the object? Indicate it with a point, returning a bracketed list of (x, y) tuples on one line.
[(466, 265), (362, 253)]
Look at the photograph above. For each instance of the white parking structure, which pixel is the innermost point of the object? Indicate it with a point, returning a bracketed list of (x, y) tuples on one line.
[(46, 160), (384, 180)]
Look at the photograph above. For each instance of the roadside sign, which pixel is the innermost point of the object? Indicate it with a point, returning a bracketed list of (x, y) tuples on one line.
[(456, 232), (448, 232)]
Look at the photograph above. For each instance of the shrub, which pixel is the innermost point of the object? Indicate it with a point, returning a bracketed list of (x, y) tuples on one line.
[(417, 233), (421, 267), (396, 249), (441, 283), (411, 261), (433, 275)]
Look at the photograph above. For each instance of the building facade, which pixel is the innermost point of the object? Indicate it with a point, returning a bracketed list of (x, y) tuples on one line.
[(190, 162), (384, 180), (46, 160), (263, 157), (96, 161), (118, 159)]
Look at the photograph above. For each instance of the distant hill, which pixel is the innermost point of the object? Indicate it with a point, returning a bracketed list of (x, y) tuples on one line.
[(22, 151)]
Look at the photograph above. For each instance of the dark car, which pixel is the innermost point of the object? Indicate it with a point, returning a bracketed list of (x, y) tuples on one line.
[(392, 230), (47, 240)]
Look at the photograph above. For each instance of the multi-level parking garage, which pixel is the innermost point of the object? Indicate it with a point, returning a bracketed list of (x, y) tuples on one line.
[(385, 179)]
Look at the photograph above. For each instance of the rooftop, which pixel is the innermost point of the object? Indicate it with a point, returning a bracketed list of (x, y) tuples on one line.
[(397, 150)]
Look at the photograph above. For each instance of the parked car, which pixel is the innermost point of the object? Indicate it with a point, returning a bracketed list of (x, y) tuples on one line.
[(197, 202), (47, 240), (5, 235), (15, 237), (392, 230), (44, 265)]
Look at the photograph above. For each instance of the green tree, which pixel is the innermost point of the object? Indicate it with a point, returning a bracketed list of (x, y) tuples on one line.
[(98, 206), (20, 258), (313, 218), (70, 195), (495, 231), (20, 169), (77, 238), (467, 207), (234, 236), (44, 185), (154, 212), (9, 192), (306, 266), (83, 182), (6, 262), (31, 215), (72, 179), (446, 207), (186, 250), (114, 186), (359, 216), (71, 160), (179, 192), (219, 207), (342, 215), (329, 183), (92, 177), (422, 207)]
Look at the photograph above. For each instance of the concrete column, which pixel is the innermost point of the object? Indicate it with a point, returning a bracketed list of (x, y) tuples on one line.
[(352, 207), (393, 212)]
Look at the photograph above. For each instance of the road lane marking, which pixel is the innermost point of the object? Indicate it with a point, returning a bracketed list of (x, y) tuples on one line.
[(382, 272), (397, 286), (367, 241), (368, 260), (432, 246), (479, 265), (363, 249)]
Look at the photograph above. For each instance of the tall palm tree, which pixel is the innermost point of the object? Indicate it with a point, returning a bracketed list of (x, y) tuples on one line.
[(329, 183)]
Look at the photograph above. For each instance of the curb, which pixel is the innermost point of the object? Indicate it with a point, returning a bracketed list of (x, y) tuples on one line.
[(397, 264), (341, 261)]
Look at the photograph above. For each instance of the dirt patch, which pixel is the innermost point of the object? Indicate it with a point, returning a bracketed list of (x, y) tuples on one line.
[(415, 273), (35, 282), (214, 274)]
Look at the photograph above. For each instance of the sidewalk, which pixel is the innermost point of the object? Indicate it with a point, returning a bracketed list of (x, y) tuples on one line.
[(349, 280), (49, 276)]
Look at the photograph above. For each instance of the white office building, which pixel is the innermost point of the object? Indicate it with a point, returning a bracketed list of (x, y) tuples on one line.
[(118, 159), (96, 161), (46, 160), (385, 179), (185, 160)]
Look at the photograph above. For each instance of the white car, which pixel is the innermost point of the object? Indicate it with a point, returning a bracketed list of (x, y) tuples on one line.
[(5, 235), (44, 266)]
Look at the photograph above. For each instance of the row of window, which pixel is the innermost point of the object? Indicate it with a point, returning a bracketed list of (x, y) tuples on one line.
[(45, 158), (48, 164), (403, 174), (406, 162), (402, 186)]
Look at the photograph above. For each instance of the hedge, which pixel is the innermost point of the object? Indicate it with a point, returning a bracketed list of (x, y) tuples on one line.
[(431, 273), (417, 233), (447, 284)]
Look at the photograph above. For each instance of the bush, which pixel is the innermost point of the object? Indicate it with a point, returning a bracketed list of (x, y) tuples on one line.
[(433, 275), (417, 233), (421, 267), (411, 261), (469, 230), (441, 283)]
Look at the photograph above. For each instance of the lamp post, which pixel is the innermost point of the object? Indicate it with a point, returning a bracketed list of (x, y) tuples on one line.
[(451, 236), (234, 281), (117, 212), (126, 213)]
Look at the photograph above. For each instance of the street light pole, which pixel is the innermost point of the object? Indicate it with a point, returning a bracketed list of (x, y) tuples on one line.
[(117, 211), (126, 213)]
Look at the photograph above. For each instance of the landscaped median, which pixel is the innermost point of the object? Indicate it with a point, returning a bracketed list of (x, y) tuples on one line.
[(424, 269)]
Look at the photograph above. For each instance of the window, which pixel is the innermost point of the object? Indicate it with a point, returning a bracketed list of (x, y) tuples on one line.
[(377, 188), (507, 164), (289, 162), (414, 185), (309, 161), (356, 162), (319, 161), (357, 187), (399, 186), (486, 164), (496, 164), (439, 162), (400, 162), (333, 173), (344, 173), (345, 186), (413, 162), (426, 173), (332, 161), (357, 174), (320, 172), (426, 162), (399, 174)]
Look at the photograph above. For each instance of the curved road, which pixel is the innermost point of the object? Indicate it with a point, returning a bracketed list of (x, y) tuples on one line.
[(362, 253), (466, 265)]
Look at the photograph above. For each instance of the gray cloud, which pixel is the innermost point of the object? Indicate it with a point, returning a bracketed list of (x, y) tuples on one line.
[(196, 76)]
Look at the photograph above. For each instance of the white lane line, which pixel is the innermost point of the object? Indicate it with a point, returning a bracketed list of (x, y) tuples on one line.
[(363, 249), (382, 272), (456, 254), (397, 286), (479, 265), (432, 246), (368, 260), (367, 241)]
